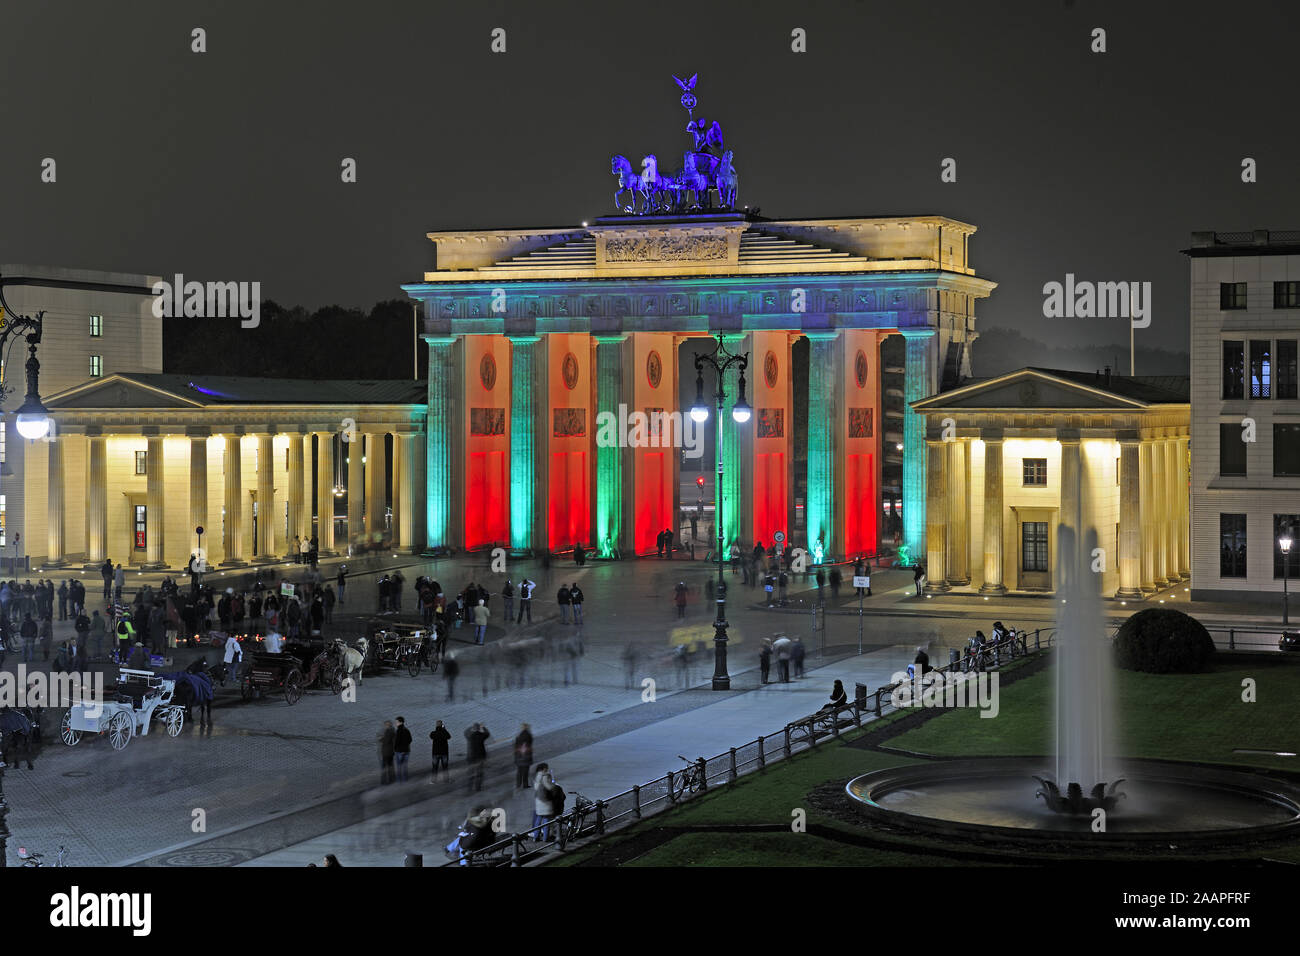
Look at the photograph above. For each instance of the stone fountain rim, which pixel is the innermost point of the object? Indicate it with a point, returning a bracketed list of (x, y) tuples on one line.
[(1254, 784)]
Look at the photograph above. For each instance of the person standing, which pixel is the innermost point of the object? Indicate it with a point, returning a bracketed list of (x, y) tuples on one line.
[(441, 738), (680, 598), (480, 622), (796, 656), (450, 669), (82, 628), (303, 547), (523, 757), (342, 582), (821, 581), (563, 598), (387, 748), (918, 576), (835, 583), (508, 598), (327, 599), (234, 654), (576, 598), (106, 572), (297, 550), (63, 601), (119, 582), (47, 636), (765, 660), (659, 544), (782, 648), (476, 737), (401, 749), (544, 793), (28, 631), (98, 628), (526, 587)]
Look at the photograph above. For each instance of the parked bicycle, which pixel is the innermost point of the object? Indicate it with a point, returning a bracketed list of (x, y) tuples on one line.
[(29, 858), (691, 780)]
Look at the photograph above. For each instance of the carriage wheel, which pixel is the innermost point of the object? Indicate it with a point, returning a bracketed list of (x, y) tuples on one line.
[(413, 664), (175, 720), (336, 681), (120, 729), (246, 689), (432, 661), (70, 737), (293, 686)]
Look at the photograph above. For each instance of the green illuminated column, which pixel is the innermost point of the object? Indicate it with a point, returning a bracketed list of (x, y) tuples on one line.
[(918, 382), (442, 404), (737, 449), (609, 461), (523, 445), (822, 430)]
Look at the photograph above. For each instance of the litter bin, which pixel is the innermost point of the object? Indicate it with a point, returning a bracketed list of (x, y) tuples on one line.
[(414, 859), (860, 696)]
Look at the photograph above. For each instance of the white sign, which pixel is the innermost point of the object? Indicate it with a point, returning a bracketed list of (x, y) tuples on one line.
[(779, 536), (286, 589), (861, 581)]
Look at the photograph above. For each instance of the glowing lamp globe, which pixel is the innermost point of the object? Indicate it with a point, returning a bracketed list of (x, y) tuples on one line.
[(33, 425), (699, 414), (740, 412)]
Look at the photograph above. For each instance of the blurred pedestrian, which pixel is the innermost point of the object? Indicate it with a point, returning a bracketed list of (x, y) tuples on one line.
[(476, 737), (450, 669), (565, 600), (401, 749), (797, 656), (387, 748), (576, 597), (440, 737), (523, 757), (765, 660), (480, 622)]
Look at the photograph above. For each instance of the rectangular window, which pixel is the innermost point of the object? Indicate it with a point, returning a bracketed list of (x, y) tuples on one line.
[(1285, 368), (142, 463), (1232, 450), (1232, 546), (1286, 525), (1033, 545), (141, 528), (1261, 368), (1232, 295), (1286, 295), (1035, 471), (1286, 450), (3, 436), (96, 326), (1234, 369), (96, 366), (3, 540)]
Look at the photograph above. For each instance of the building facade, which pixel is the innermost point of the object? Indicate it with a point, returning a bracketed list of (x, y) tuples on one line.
[(537, 336), (1245, 313), (1013, 457), (96, 323)]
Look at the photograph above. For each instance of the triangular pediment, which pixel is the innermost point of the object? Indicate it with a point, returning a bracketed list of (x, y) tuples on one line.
[(118, 391), (1028, 389)]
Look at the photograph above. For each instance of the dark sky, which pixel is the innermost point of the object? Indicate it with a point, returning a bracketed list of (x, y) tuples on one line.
[(225, 165)]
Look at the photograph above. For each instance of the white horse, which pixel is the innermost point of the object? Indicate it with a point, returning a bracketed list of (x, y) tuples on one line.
[(628, 181), (726, 181), (352, 658)]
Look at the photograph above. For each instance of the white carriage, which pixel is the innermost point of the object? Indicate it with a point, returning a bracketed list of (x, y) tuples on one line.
[(139, 698)]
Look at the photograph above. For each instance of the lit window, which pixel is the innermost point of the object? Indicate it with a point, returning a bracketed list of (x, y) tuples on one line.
[(1261, 368), (1033, 544), (1232, 546), (1286, 295), (96, 366), (141, 462), (2, 442), (2, 521), (1234, 369), (96, 326), (1035, 470), (1232, 295)]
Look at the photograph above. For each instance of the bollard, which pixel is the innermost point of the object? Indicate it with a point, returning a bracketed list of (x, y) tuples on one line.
[(878, 690), (1037, 646), (762, 757), (600, 816), (636, 800), (731, 771), (671, 797), (835, 722), (1232, 639), (514, 852), (787, 741), (414, 859)]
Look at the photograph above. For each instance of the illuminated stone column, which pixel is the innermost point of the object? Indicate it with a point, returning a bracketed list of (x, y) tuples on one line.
[(958, 515), (1146, 504), (442, 405), (523, 444), (919, 381), (306, 484), (403, 492), (1173, 517), (198, 484), (376, 482), (823, 426), (266, 517), (1130, 520), (295, 528), (54, 505), (1159, 540), (232, 538), (1070, 514), (325, 492), (936, 539), (1184, 513), (96, 499), (155, 497), (609, 460), (354, 450), (737, 448), (994, 558)]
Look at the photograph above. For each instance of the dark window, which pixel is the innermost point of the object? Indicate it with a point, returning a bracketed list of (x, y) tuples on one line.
[(1232, 546), (1286, 368), (1033, 545), (1234, 369), (1232, 450), (1286, 525), (141, 462), (1286, 450), (1286, 295), (1035, 471), (1261, 368), (1232, 295), (141, 527)]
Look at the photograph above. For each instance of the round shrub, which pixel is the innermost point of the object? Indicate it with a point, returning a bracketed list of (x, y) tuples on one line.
[(1163, 641)]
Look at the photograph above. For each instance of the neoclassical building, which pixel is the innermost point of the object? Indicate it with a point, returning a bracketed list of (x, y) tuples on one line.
[(1012, 457), (535, 333), (138, 461)]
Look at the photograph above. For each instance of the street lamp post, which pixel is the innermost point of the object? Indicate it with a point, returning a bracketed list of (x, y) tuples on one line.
[(1284, 543), (720, 360), (33, 421)]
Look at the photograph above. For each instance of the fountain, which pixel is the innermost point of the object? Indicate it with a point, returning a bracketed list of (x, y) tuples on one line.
[(1078, 797)]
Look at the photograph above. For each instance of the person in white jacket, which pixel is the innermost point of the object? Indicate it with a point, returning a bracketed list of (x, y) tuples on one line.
[(234, 654)]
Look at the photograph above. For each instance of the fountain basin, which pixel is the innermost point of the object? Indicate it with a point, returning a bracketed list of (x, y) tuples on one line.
[(993, 798)]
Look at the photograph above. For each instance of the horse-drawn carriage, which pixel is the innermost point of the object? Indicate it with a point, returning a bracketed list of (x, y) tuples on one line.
[(290, 674), (409, 646), (139, 698)]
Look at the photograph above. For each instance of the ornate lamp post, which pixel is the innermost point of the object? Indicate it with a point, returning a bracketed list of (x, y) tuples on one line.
[(33, 421), (1284, 543), (720, 360)]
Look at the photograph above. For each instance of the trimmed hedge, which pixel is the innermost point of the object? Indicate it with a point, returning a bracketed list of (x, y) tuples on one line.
[(1163, 641)]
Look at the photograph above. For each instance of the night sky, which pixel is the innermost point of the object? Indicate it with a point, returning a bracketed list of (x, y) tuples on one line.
[(226, 165)]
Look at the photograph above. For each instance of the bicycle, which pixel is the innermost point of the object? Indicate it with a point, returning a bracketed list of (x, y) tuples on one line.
[(691, 780), (30, 859)]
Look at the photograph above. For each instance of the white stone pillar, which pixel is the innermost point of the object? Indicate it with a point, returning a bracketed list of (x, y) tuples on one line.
[(54, 505), (1172, 513), (936, 523), (306, 511), (1130, 520), (376, 482), (958, 515), (1184, 512), (155, 498), (266, 516), (404, 504), (96, 499), (199, 488), (994, 559), (296, 527), (325, 492), (1071, 503), (354, 450), (1159, 543), (232, 538), (1147, 505)]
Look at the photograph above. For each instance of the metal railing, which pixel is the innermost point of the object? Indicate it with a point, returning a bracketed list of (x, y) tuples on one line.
[(1237, 637), (698, 776)]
